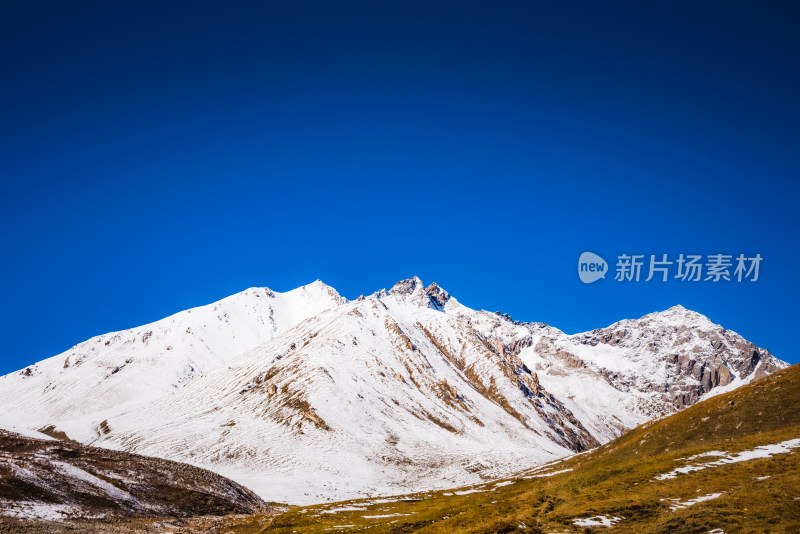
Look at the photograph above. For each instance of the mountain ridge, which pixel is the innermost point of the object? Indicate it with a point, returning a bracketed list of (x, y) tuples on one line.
[(400, 389)]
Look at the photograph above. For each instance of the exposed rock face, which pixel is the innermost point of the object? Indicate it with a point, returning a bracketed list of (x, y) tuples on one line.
[(697, 355), (58, 479), (438, 296), (569, 431), (312, 416), (406, 287)]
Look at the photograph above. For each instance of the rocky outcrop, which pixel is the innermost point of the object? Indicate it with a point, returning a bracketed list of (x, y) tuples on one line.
[(566, 429), (696, 355), (311, 415), (438, 296), (406, 287)]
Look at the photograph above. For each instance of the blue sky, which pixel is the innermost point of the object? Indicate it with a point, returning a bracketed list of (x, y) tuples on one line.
[(158, 156)]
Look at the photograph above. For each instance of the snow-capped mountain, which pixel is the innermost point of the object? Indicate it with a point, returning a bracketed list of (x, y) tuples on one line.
[(120, 371), (306, 397)]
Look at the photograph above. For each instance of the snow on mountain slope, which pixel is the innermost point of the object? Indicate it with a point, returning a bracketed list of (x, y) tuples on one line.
[(116, 372), (398, 391), (639, 369), (358, 401)]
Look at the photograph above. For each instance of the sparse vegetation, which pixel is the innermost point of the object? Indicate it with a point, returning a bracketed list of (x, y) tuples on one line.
[(69, 481)]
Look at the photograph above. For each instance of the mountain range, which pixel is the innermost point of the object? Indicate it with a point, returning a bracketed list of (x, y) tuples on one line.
[(305, 396)]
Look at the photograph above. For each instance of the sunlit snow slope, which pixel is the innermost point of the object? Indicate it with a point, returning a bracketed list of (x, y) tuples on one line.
[(120, 371)]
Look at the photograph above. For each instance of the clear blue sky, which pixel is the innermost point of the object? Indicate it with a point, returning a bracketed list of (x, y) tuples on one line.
[(157, 156)]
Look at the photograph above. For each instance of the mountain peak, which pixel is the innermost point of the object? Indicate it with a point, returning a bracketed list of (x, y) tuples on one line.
[(317, 284), (407, 286), (433, 296), (318, 287), (677, 309), (681, 313)]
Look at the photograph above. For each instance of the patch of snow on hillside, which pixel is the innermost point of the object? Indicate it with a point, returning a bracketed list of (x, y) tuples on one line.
[(36, 510), (110, 490), (597, 521), (691, 502), (549, 474), (764, 451)]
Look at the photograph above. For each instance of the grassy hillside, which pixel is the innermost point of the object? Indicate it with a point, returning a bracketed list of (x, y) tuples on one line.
[(623, 479)]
